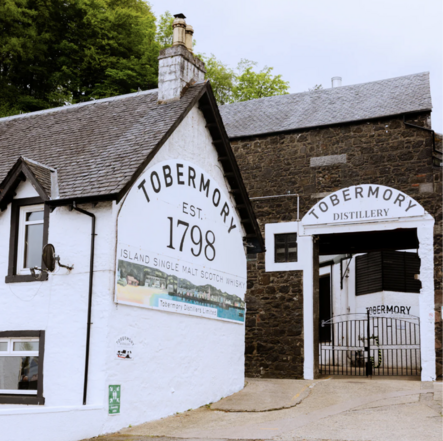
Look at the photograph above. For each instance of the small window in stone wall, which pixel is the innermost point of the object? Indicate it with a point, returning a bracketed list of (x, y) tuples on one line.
[(251, 257), (285, 247)]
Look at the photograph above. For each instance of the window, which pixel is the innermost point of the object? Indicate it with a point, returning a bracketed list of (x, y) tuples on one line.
[(29, 233), (30, 238), (285, 247), (387, 271), (21, 367)]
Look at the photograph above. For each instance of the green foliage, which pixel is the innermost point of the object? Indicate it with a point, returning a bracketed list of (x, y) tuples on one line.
[(251, 85), (164, 30), (316, 87), (243, 84), (61, 52), (68, 51), (222, 79)]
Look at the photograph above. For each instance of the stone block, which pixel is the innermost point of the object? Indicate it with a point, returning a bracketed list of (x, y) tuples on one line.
[(321, 161), (426, 187)]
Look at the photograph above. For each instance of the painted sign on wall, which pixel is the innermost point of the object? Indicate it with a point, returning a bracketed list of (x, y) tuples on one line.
[(180, 248), (124, 348), (363, 203), (388, 309), (114, 399)]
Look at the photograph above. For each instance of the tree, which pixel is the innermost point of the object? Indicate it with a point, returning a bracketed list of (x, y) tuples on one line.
[(222, 79), (244, 83), (68, 51), (251, 85), (164, 30)]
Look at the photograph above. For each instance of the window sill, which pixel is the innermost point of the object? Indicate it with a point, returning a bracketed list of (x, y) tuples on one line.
[(25, 278), (22, 399)]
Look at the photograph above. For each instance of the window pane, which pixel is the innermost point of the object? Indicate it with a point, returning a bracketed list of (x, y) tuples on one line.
[(18, 373), (292, 257), (292, 238), (25, 346), (280, 239), (34, 216), (33, 245), (280, 254), (3, 345)]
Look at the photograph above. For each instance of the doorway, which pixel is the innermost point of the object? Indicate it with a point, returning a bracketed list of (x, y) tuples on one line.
[(371, 332)]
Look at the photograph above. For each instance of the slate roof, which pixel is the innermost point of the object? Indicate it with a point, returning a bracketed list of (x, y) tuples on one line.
[(42, 174), (94, 151), (389, 97), (96, 147)]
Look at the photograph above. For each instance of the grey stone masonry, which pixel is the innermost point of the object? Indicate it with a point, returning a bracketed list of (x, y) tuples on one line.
[(177, 70)]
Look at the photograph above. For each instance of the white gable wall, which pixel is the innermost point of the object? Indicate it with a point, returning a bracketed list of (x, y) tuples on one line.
[(26, 190), (181, 361)]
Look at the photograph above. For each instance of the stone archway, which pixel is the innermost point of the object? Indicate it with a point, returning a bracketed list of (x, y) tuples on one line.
[(371, 208)]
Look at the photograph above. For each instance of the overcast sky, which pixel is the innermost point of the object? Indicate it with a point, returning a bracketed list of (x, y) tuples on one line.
[(310, 41)]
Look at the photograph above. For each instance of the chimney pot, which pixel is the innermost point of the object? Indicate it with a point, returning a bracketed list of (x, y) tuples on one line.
[(336, 81), (179, 29), (189, 34)]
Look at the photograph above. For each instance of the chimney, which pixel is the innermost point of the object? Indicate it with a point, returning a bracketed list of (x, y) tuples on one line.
[(336, 81), (178, 67)]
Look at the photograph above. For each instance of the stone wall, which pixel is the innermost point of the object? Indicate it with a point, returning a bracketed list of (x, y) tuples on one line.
[(381, 152)]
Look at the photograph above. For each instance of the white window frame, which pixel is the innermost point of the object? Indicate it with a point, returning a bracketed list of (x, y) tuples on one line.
[(22, 223), (11, 353), (282, 228)]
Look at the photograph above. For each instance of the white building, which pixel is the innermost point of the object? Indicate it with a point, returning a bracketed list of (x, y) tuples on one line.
[(136, 193)]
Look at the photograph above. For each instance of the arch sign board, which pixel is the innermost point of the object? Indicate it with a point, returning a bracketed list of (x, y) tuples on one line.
[(363, 203), (180, 248)]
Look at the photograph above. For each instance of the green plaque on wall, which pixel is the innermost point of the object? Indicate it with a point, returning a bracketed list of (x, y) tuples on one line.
[(114, 396)]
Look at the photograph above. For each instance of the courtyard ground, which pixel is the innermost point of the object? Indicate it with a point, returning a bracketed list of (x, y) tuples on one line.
[(337, 408)]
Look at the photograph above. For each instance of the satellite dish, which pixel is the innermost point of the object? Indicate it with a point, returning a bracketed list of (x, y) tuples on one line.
[(49, 257)]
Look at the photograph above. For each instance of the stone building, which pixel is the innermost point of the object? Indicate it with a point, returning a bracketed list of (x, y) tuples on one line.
[(302, 157)]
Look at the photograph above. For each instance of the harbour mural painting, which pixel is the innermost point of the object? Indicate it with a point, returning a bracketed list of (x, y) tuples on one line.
[(180, 246), (158, 289)]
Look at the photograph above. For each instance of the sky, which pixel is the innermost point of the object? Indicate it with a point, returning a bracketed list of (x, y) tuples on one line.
[(310, 41)]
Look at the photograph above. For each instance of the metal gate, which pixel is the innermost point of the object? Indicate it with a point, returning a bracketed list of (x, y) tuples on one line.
[(393, 347)]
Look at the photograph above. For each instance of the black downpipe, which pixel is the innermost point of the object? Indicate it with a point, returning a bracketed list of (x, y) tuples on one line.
[(91, 276), (332, 314), (434, 150)]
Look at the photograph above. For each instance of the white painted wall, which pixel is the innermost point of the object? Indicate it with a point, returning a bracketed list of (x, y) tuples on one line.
[(181, 362)]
